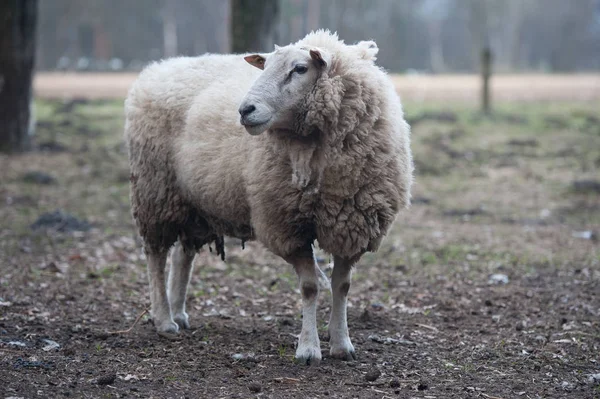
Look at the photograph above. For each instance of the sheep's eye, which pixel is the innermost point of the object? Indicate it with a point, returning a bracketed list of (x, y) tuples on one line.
[(300, 69)]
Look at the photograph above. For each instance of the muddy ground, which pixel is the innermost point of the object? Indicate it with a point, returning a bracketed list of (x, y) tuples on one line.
[(488, 287)]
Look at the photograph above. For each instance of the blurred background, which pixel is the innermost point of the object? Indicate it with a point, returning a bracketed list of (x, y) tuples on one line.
[(435, 36)]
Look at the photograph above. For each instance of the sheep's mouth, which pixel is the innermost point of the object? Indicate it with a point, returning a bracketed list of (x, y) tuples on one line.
[(256, 128)]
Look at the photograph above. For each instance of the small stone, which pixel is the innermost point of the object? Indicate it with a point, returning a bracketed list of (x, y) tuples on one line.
[(52, 267), (394, 383), (375, 338), (50, 345), (69, 352), (545, 213), (586, 235), (487, 302), (422, 386), (254, 387), (286, 322), (567, 386), (594, 378), (101, 335), (520, 326), (106, 379), (237, 356), (541, 339), (498, 279), (372, 375)]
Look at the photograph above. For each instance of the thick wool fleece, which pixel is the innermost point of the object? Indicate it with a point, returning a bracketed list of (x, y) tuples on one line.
[(340, 179)]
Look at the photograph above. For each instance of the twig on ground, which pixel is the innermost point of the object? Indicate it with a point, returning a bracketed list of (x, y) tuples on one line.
[(132, 326), (489, 396), (14, 350), (432, 328), (365, 384), (288, 380)]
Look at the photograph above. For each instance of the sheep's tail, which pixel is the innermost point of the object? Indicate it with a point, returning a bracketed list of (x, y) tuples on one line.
[(324, 282)]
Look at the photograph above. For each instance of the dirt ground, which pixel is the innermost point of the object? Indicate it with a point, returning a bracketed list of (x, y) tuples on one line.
[(488, 287)]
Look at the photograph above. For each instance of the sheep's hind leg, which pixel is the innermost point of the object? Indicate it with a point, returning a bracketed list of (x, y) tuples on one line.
[(182, 260), (308, 351), (339, 340), (161, 311)]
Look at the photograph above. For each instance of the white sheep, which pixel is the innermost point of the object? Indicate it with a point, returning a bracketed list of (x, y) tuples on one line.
[(327, 159)]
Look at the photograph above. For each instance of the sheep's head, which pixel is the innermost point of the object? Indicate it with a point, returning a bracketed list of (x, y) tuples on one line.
[(277, 96)]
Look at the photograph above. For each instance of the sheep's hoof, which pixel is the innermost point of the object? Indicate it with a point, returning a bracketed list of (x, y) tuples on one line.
[(168, 329), (182, 320), (308, 356), (343, 354), (343, 350)]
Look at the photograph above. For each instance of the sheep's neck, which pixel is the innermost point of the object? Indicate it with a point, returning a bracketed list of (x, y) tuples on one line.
[(302, 152)]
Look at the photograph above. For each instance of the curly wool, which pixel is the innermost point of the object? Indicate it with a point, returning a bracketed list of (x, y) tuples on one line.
[(340, 179)]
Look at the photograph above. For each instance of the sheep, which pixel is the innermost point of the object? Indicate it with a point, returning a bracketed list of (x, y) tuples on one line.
[(306, 143)]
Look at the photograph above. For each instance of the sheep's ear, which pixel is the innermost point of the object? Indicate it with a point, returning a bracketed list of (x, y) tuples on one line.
[(322, 58), (256, 60), (277, 47), (367, 49)]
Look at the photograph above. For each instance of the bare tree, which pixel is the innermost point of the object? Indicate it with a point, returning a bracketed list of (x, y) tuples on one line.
[(18, 20), (253, 24), (169, 28), (313, 10), (516, 13), (436, 35), (480, 33), (434, 12)]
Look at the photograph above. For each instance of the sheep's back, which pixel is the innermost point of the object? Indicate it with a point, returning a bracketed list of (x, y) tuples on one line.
[(212, 155), (157, 111)]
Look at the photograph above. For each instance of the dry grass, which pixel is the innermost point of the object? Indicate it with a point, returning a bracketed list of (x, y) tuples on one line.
[(414, 88)]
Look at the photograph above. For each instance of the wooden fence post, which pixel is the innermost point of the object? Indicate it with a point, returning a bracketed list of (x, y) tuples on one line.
[(486, 73)]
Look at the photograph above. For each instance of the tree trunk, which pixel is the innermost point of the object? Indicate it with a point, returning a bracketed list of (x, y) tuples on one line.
[(515, 16), (313, 15), (486, 73), (478, 24), (436, 52), (17, 52), (253, 25), (169, 29)]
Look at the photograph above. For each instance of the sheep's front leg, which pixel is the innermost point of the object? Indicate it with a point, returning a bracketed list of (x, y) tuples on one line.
[(179, 278), (309, 348), (161, 311), (339, 339)]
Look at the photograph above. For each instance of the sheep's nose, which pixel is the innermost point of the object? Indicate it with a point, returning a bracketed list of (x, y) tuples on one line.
[(247, 110)]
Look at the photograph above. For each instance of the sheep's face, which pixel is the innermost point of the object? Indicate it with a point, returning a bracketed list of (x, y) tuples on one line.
[(278, 94)]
